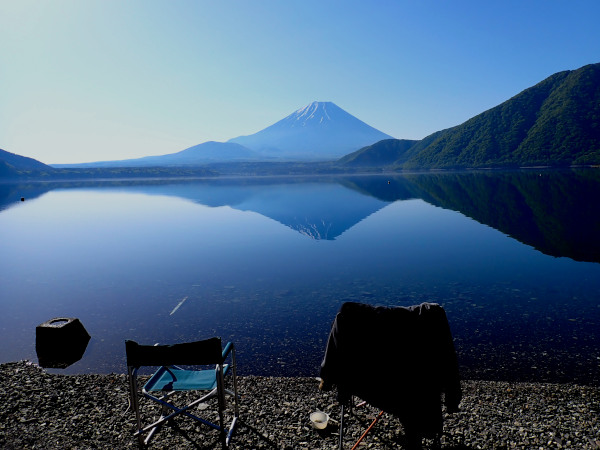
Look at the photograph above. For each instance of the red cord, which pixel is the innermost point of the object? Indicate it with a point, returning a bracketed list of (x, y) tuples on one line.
[(367, 430)]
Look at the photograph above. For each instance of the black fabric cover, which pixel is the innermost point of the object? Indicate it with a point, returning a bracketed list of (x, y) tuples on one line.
[(398, 359), (199, 353)]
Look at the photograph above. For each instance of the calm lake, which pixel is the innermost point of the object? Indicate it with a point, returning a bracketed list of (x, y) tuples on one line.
[(514, 258)]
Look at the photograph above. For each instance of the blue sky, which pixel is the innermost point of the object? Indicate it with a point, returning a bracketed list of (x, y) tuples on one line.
[(90, 80)]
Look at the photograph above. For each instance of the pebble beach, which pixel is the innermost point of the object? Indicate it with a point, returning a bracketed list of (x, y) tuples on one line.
[(40, 410)]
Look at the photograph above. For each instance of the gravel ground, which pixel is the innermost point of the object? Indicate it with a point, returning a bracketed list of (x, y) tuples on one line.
[(42, 410)]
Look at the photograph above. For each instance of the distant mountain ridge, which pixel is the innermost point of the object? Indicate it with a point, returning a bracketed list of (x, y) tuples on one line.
[(554, 123), (16, 168), (320, 130), (207, 152)]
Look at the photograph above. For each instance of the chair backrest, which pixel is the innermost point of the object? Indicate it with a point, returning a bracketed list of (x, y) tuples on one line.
[(204, 352), (366, 335)]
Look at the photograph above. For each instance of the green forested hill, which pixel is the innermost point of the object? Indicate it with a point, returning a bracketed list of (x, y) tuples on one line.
[(383, 152), (554, 123)]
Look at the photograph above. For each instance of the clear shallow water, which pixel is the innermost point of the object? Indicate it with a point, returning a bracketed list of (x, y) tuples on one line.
[(268, 262)]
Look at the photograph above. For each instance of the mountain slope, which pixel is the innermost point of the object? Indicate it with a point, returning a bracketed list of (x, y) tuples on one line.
[(555, 123), (320, 130), (198, 154), (14, 166), (7, 171), (22, 162), (381, 153), (211, 151)]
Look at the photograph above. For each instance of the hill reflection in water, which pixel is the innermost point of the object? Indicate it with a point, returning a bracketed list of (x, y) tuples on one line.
[(122, 256), (556, 212)]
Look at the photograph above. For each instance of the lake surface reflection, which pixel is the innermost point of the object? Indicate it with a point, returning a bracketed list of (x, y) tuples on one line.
[(514, 258)]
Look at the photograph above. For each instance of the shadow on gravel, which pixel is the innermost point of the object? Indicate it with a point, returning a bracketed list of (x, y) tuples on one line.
[(268, 443), (192, 439)]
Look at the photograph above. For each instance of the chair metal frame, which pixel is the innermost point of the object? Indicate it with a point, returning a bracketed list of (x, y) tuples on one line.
[(189, 353)]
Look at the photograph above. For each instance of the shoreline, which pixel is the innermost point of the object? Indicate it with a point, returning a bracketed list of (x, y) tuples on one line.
[(43, 410)]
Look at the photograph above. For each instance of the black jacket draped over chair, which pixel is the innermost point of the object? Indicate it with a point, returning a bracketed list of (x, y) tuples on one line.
[(398, 359)]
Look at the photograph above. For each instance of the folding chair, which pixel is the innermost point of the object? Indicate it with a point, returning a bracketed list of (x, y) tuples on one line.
[(170, 378), (397, 359)]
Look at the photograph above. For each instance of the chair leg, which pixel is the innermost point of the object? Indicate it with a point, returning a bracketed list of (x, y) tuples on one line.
[(235, 395), (221, 405), (164, 412), (149, 435), (341, 439), (132, 374)]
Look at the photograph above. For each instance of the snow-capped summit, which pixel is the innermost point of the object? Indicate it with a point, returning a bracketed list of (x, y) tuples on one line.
[(320, 130), (315, 112)]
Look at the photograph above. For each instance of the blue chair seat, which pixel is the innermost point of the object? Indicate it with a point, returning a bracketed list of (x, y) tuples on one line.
[(176, 379)]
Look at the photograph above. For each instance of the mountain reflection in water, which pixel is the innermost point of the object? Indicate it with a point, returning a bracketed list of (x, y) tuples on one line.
[(556, 212), (366, 238)]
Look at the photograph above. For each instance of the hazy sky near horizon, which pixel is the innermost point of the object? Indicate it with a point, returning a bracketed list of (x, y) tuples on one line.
[(92, 80)]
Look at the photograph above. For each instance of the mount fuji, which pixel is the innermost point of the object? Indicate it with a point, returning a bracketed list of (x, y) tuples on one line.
[(320, 130)]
